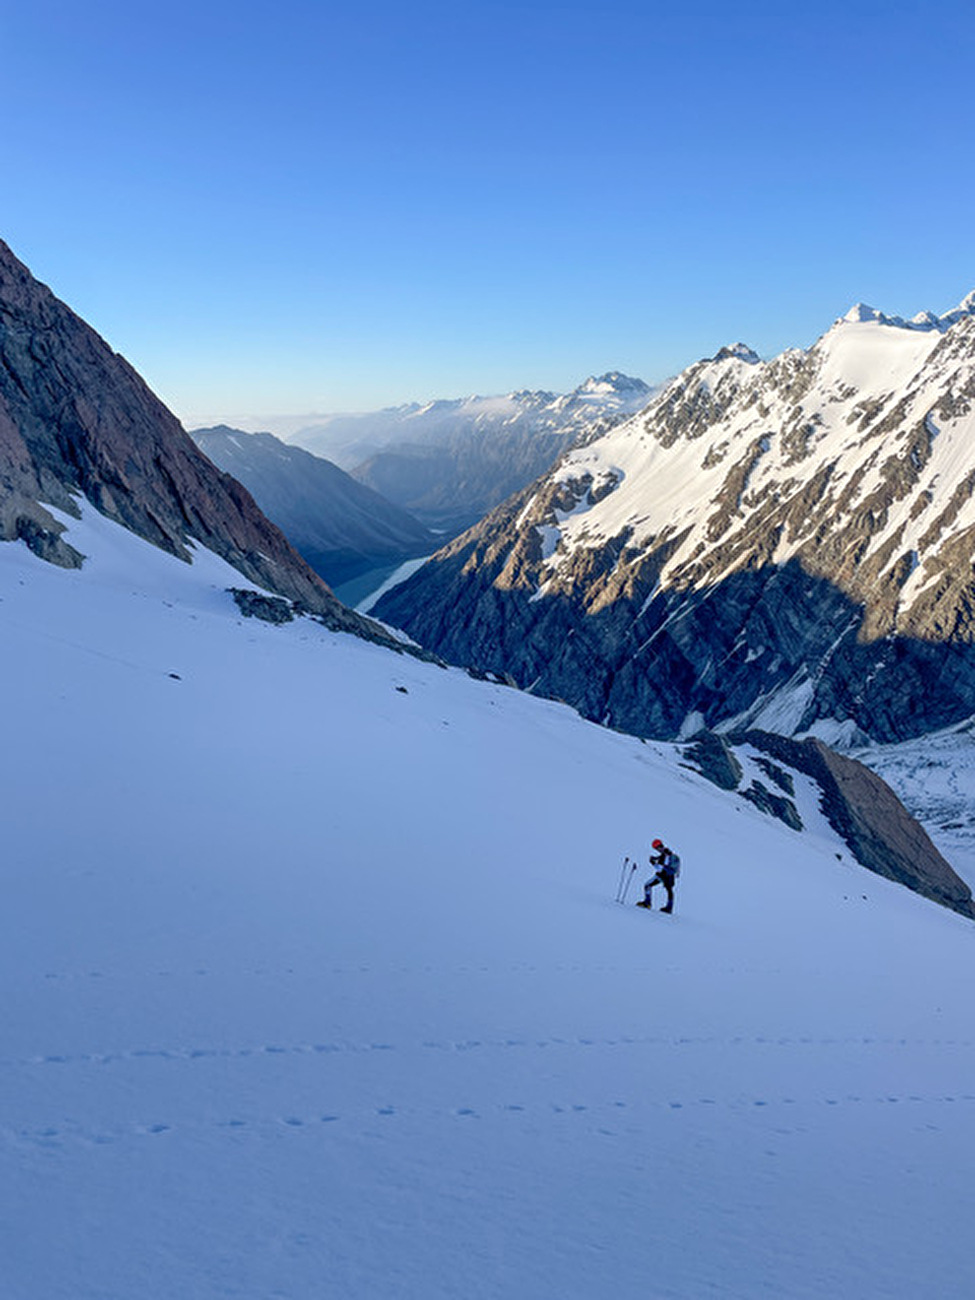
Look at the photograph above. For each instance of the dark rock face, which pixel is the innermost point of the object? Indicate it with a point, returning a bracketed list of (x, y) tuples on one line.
[(340, 526), (76, 419), (776, 805), (642, 659)]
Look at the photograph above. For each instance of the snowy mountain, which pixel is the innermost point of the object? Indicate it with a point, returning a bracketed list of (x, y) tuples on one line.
[(341, 527), (77, 423), (450, 461), (784, 545), (315, 984), (315, 979)]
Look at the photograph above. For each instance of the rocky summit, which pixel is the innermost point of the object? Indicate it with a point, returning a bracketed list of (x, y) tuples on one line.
[(783, 545), (76, 421)]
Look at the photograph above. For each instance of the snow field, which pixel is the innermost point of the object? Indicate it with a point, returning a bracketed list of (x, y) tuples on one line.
[(316, 987)]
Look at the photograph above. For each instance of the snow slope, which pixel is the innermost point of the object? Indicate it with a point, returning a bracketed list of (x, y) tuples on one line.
[(315, 987)]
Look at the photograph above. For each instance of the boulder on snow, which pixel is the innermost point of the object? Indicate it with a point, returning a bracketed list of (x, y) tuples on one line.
[(713, 757)]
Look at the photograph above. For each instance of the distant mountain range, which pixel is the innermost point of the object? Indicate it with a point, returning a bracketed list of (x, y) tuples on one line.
[(449, 462), (783, 544), (342, 527)]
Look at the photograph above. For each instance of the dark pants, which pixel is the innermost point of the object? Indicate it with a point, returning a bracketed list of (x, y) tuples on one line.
[(665, 878)]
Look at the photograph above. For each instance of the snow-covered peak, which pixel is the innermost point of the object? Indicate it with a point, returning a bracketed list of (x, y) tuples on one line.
[(965, 308), (612, 382), (738, 352), (861, 313)]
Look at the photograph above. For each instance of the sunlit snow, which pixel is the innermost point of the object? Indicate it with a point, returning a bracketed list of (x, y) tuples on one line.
[(315, 986)]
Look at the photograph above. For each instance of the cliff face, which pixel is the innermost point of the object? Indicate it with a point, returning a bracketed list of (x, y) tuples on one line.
[(784, 545), (77, 420)]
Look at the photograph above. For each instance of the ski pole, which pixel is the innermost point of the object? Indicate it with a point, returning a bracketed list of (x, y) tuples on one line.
[(619, 887), (626, 887)]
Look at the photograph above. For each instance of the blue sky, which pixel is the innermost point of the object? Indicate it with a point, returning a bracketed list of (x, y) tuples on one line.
[(292, 206)]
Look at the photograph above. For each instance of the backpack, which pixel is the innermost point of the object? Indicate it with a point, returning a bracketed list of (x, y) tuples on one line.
[(675, 864)]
